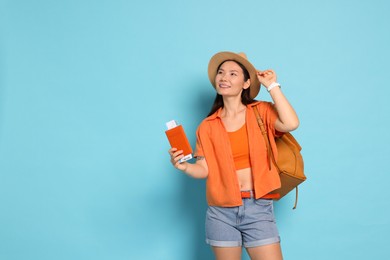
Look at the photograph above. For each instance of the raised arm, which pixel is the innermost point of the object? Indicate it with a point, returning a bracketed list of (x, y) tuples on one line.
[(287, 118)]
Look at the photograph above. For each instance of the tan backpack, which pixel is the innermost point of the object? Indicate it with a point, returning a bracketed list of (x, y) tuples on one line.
[(289, 163)]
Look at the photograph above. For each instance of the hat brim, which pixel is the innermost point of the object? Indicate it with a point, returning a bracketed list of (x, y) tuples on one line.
[(220, 57)]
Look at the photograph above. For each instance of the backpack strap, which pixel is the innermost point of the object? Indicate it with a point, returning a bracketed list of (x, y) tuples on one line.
[(269, 148), (266, 138)]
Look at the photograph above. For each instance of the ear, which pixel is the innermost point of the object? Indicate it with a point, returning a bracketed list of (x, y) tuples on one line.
[(247, 84)]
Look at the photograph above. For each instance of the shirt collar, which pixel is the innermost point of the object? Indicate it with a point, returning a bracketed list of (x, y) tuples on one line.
[(217, 114)]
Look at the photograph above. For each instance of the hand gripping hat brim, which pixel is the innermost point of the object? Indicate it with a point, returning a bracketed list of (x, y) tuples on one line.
[(220, 57)]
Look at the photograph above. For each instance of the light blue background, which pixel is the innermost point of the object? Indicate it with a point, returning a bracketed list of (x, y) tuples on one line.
[(87, 86)]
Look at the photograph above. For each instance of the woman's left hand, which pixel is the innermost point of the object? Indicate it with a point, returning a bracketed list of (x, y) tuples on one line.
[(266, 77)]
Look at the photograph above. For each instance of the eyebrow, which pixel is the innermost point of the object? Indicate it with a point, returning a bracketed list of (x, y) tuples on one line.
[(230, 70)]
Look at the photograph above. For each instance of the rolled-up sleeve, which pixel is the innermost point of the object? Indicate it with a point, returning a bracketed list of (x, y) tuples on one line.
[(271, 115), (198, 147)]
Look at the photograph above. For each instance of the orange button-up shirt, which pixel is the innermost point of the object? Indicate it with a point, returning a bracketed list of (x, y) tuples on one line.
[(222, 188)]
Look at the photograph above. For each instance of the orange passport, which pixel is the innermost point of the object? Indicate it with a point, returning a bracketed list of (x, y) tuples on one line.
[(178, 139)]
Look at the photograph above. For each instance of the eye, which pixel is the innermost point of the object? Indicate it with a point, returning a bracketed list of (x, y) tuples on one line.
[(233, 74), (219, 72)]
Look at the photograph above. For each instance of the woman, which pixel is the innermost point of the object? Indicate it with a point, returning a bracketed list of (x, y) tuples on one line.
[(231, 153)]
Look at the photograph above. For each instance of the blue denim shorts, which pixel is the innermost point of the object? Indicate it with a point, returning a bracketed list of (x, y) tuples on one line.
[(250, 225)]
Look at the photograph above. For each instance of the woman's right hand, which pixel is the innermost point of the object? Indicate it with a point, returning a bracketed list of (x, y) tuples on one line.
[(176, 155)]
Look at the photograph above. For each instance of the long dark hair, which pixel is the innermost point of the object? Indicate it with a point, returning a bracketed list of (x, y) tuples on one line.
[(245, 95)]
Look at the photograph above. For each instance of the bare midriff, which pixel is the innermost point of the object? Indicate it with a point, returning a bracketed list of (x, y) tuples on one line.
[(244, 177)]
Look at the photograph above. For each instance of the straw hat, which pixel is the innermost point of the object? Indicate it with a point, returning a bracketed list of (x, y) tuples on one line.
[(220, 57)]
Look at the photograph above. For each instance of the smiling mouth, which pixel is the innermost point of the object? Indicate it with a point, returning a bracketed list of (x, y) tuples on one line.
[(222, 85)]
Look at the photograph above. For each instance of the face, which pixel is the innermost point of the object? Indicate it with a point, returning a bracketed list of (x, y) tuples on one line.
[(229, 80)]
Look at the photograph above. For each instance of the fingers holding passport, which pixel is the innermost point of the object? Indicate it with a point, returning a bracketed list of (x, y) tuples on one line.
[(176, 155)]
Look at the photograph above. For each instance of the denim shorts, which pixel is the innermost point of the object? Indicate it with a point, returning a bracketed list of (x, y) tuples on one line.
[(250, 225)]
